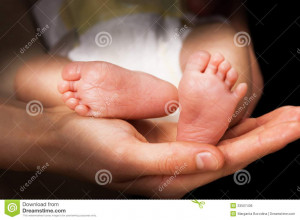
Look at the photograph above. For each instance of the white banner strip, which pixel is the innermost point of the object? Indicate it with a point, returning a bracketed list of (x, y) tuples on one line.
[(150, 209)]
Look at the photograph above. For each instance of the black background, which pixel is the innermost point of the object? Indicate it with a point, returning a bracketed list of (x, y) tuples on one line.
[(276, 37), (275, 31)]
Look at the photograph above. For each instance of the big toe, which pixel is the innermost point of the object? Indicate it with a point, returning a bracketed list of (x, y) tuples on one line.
[(72, 71), (198, 61)]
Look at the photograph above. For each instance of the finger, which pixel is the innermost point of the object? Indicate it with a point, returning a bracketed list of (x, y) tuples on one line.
[(242, 128), (283, 114), (261, 142), (287, 113), (174, 157)]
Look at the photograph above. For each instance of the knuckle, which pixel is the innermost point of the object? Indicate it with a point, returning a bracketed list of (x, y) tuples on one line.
[(120, 154)]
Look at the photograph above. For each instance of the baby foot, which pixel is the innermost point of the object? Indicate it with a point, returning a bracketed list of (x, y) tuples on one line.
[(206, 98), (101, 89)]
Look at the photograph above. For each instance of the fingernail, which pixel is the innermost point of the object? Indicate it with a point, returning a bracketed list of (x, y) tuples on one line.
[(206, 161)]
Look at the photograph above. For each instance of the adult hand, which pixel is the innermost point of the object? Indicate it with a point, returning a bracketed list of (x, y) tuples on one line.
[(140, 167), (83, 146), (144, 162)]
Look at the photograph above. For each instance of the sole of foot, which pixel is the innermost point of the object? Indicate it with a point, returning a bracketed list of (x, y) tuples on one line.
[(101, 89), (207, 99)]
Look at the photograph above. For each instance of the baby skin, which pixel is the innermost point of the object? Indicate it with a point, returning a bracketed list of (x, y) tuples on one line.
[(205, 94), (207, 99), (104, 90)]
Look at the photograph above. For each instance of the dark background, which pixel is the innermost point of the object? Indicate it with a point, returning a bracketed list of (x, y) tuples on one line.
[(275, 31), (276, 37)]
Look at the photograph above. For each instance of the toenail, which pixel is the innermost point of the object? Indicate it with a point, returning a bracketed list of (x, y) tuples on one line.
[(206, 161)]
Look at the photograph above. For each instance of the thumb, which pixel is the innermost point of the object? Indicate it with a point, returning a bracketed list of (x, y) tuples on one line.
[(181, 157)]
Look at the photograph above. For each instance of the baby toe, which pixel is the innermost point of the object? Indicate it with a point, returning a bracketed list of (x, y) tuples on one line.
[(223, 69), (63, 87), (231, 78), (214, 63), (240, 91), (67, 86), (72, 103), (68, 95), (82, 110)]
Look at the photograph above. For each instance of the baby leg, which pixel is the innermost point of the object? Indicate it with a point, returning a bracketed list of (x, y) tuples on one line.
[(98, 89)]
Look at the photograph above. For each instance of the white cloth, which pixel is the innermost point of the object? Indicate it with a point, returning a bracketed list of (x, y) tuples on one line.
[(143, 42)]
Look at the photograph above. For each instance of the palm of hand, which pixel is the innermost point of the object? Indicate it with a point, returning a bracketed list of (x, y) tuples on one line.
[(142, 156)]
